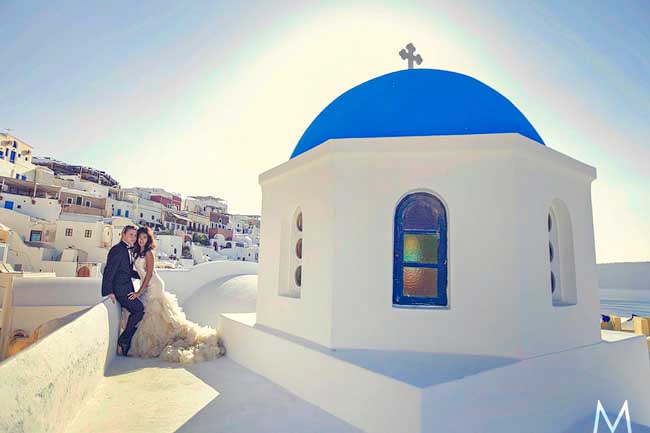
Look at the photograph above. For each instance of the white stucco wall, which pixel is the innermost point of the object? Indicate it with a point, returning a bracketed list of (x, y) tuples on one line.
[(168, 243), (184, 282), (57, 291), (497, 190), (123, 206), (44, 208), (29, 318), (150, 210), (363, 398), (198, 251), (38, 259), (306, 182), (44, 386), (545, 394), (18, 222), (78, 239), (410, 392)]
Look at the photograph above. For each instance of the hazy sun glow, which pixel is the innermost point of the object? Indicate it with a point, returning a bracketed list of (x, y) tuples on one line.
[(200, 99)]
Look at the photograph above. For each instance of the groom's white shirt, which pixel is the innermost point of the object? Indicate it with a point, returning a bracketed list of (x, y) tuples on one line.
[(127, 250)]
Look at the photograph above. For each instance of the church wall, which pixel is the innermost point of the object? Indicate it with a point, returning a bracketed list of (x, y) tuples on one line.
[(547, 177), (474, 177), (497, 189), (307, 184)]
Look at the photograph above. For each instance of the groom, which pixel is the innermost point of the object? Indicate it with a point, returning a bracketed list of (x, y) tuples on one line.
[(117, 283)]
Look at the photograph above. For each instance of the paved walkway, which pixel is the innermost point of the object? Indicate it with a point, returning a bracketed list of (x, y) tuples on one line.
[(219, 396)]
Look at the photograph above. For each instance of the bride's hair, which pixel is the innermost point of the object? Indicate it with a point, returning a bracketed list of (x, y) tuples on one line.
[(150, 245)]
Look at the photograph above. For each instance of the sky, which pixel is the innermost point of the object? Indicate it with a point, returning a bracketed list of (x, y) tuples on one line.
[(201, 97)]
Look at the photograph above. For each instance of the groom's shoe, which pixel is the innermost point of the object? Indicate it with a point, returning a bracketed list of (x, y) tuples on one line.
[(124, 348)]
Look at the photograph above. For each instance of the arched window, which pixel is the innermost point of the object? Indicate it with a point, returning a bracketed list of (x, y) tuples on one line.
[(420, 251), (562, 279), (297, 254), (291, 283)]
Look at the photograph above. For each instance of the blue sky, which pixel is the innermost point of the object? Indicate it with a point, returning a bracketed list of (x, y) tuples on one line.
[(201, 97)]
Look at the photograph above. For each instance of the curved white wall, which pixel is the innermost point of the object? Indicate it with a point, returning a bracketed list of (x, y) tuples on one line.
[(43, 386), (61, 291), (184, 282)]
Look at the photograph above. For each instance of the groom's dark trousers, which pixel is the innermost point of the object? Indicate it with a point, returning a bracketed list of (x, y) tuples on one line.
[(117, 280)]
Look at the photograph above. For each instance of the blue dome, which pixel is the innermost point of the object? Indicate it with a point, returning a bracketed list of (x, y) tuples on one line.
[(416, 102)]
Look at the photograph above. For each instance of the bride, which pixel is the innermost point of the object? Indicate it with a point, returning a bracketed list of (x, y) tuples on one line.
[(165, 331)]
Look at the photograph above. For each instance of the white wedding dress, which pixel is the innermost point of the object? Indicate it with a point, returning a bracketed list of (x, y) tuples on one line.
[(164, 330)]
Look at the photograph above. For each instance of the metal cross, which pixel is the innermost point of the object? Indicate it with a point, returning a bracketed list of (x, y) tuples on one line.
[(409, 53)]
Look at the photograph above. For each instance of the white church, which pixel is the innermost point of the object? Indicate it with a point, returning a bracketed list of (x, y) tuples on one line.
[(428, 265)]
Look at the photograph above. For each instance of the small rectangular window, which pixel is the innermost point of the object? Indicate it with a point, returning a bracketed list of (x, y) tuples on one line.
[(68, 232), (89, 234), (35, 236)]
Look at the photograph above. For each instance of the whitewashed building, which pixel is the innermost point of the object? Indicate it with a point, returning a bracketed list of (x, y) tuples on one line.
[(244, 224), (84, 232), (429, 263), (15, 158), (169, 246), (29, 245), (205, 204), (30, 198)]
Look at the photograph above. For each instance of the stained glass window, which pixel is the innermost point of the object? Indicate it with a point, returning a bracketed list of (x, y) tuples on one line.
[(423, 214), (420, 251), (421, 248), (420, 282)]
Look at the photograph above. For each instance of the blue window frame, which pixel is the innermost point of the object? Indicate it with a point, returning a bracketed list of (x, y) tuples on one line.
[(126, 213), (9, 204), (420, 251), (12, 156)]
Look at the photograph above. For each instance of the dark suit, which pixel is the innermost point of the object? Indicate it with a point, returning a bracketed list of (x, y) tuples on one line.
[(117, 280)]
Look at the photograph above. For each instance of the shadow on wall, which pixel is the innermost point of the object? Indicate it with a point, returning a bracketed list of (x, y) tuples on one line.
[(21, 339), (44, 385)]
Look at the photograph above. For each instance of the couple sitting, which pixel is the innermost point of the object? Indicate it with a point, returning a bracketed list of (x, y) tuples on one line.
[(157, 325)]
